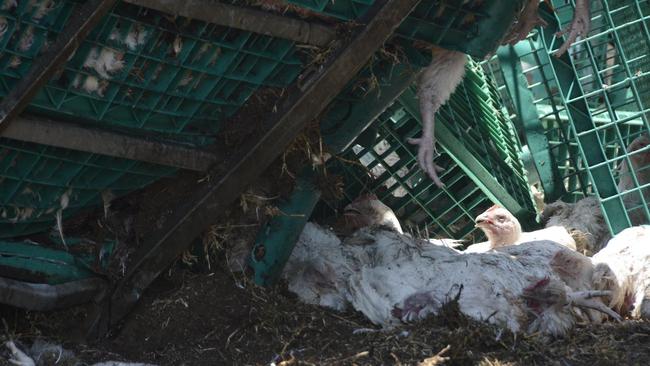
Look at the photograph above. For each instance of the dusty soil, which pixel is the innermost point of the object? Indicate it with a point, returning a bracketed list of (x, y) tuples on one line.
[(220, 318)]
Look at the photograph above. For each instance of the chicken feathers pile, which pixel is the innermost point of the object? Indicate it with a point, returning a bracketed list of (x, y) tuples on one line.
[(539, 285)]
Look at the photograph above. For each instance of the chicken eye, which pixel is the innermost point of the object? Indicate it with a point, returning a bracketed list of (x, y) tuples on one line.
[(501, 218)]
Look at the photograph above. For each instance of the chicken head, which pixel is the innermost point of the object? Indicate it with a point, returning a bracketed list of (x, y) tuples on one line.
[(500, 226), (367, 210)]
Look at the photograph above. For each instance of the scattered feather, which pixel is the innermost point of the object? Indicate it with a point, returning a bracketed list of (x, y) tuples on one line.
[(104, 62), (136, 37), (177, 46), (65, 201), (4, 25), (26, 40)]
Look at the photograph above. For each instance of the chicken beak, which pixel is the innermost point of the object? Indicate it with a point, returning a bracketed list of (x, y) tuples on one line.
[(482, 221)]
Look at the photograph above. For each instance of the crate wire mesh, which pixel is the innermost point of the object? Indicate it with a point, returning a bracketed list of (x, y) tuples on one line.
[(477, 140), (137, 71), (140, 70), (593, 105)]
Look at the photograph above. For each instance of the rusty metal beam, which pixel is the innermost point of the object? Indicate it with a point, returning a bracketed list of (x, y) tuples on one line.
[(209, 200), (247, 19), (81, 22), (93, 140)]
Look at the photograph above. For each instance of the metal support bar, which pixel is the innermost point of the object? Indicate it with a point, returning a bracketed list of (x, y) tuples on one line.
[(209, 200), (529, 123), (469, 164), (591, 146), (246, 19), (77, 137), (81, 22), (276, 239)]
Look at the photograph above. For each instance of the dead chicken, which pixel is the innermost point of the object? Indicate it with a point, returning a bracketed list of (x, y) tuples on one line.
[(392, 278)]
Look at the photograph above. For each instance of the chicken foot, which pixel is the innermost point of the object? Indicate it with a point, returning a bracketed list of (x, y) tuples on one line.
[(527, 20), (437, 82), (579, 26), (584, 299)]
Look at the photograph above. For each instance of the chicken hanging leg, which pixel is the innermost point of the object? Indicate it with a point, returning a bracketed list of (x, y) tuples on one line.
[(579, 26), (439, 80)]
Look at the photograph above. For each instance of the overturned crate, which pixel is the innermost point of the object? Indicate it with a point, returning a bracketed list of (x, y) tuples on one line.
[(591, 106)]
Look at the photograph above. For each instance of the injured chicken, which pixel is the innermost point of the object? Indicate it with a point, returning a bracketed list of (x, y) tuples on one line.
[(393, 278)]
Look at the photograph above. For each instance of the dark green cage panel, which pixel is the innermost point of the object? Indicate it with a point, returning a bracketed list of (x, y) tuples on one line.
[(592, 104), (473, 27), (36, 181), (141, 69)]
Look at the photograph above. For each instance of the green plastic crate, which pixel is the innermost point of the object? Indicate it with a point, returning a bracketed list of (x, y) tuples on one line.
[(36, 263), (477, 140), (181, 78), (594, 102), (150, 95), (33, 179)]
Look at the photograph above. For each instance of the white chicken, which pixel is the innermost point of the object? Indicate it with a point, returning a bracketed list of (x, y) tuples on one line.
[(439, 80), (500, 286), (502, 229), (623, 267), (585, 220), (367, 210), (391, 278)]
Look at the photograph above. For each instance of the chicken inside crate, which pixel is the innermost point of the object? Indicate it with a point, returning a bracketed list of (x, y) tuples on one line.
[(588, 109)]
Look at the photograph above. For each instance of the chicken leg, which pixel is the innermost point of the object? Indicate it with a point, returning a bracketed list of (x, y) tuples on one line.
[(437, 82), (526, 21), (584, 299), (579, 26)]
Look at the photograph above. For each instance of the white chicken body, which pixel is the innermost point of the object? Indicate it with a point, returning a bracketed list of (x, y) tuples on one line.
[(316, 267), (490, 284), (623, 267), (391, 278)]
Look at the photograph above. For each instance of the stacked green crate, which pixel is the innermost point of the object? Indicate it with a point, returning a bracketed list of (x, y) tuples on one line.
[(593, 103), (139, 70)]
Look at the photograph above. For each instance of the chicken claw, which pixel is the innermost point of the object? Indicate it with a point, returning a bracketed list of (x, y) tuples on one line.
[(436, 83), (579, 26), (584, 299), (527, 20), (426, 153)]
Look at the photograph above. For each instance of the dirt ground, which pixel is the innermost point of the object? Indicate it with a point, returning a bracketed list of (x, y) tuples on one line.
[(220, 318)]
